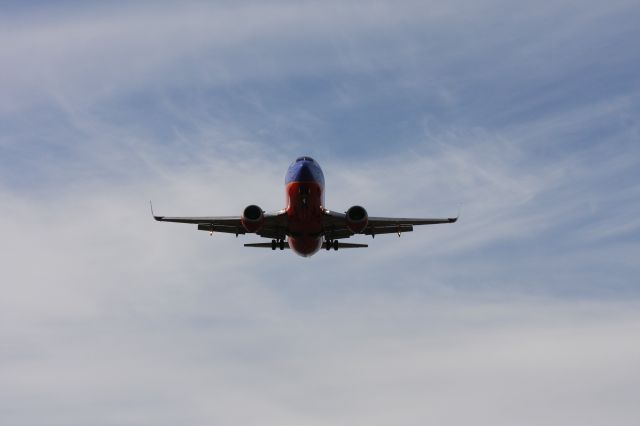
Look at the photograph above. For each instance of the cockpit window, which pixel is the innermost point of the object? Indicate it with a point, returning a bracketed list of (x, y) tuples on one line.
[(305, 159)]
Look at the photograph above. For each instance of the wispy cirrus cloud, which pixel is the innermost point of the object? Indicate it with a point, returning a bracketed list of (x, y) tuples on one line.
[(522, 312)]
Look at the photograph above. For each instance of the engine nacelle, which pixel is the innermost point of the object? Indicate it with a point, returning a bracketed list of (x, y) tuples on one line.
[(252, 218), (357, 219)]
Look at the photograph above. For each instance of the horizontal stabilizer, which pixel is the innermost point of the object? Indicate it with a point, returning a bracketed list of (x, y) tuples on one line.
[(266, 245), (342, 245)]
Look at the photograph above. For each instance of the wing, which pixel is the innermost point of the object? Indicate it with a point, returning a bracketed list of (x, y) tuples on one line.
[(335, 225), (275, 224)]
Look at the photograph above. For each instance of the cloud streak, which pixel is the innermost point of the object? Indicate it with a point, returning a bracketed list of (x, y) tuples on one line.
[(523, 312)]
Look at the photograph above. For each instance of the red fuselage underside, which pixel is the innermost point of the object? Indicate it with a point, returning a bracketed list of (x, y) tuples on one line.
[(304, 209)]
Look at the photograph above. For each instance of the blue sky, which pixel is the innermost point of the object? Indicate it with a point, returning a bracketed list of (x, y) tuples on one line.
[(525, 115)]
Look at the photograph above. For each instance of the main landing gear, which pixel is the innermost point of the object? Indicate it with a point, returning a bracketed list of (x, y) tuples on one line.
[(331, 244), (277, 244)]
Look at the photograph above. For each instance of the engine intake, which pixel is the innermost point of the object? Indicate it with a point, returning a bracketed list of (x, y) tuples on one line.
[(252, 218), (357, 219)]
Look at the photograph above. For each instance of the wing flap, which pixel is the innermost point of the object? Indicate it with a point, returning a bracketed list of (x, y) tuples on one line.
[(393, 229), (274, 233), (337, 233), (210, 227)]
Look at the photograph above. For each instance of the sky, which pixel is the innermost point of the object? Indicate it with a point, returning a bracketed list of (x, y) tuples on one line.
[(522, 116)]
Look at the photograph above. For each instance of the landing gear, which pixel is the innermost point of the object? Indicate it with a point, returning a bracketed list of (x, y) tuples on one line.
[(277, 244), (331, 244), (273, 244), (281, 244)]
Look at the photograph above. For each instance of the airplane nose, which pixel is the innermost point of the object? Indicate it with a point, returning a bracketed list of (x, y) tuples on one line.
[(303, 174)]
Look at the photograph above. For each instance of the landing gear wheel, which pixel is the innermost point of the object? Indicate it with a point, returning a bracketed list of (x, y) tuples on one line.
[(281, 244), (327, 245), (335, 244), (273, 244)]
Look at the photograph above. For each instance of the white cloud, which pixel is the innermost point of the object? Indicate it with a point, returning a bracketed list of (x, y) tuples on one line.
[(88, 54), (368, 359), (523, 312)]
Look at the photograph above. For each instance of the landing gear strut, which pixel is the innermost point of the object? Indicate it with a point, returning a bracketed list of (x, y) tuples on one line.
[(331, 244), (277, 244)]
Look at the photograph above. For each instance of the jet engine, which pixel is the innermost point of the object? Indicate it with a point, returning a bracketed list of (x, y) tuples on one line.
[(357, 219), (252, 218)]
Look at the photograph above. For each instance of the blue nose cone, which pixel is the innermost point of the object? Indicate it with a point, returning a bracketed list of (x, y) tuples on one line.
[(304, 171)]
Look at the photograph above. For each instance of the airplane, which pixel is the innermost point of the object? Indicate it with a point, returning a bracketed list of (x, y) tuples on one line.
[(305, 223)]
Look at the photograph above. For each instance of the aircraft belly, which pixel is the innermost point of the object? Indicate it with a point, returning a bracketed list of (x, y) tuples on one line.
[(304, 210), (305, 246)]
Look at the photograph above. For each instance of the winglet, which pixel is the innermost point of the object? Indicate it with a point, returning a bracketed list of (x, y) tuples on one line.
[(152, 214), (455, 219)]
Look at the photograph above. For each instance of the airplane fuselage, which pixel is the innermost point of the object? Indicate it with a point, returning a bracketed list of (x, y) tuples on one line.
[(304, 183)]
